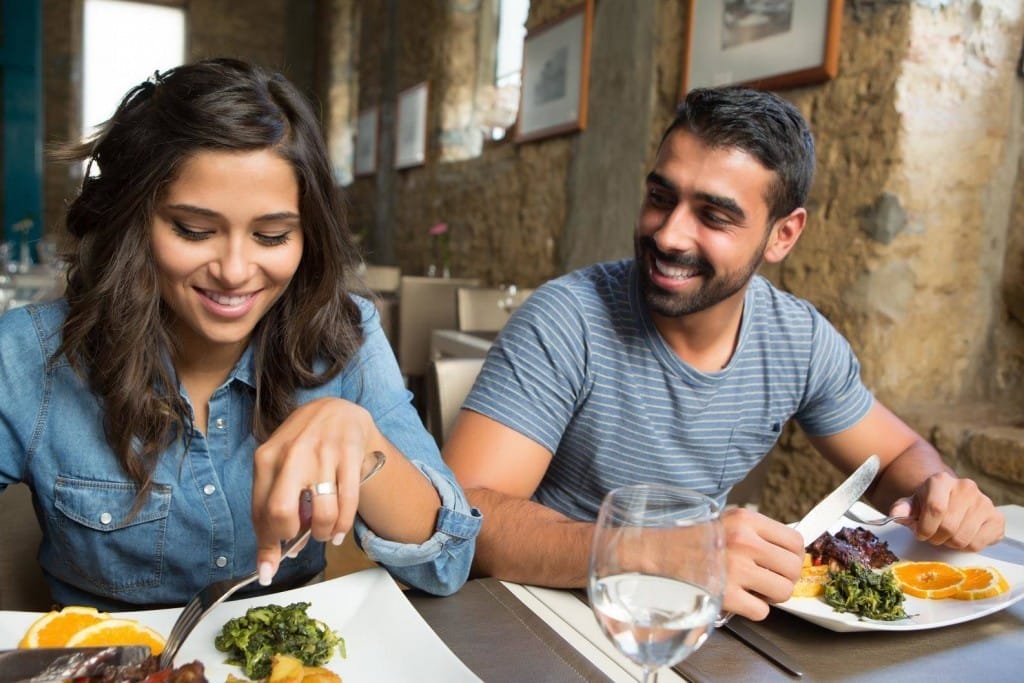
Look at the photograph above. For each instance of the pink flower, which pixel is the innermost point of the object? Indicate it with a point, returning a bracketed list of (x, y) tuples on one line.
[(439, 229)]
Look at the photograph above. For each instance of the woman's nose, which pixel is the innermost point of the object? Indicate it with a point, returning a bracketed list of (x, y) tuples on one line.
[(233, 265)]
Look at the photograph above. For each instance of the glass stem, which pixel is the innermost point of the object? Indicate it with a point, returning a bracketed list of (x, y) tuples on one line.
[(649, 675)]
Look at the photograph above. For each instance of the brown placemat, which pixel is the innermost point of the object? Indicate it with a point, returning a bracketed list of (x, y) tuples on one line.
[(501, 639), (988, 649)]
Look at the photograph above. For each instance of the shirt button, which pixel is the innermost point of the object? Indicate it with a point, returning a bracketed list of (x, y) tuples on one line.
[(106, 518), (209, 489), (220, 422), (222, 561)]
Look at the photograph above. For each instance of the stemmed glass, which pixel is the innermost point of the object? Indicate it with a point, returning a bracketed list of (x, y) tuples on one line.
[(657, 572)]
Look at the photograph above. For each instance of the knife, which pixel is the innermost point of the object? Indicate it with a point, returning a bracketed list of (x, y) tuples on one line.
[(37, 665), (824, 514), (741, 629)]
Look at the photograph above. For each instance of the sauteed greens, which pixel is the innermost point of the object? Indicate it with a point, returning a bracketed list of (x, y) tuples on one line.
[(263, 632), (866, 593)]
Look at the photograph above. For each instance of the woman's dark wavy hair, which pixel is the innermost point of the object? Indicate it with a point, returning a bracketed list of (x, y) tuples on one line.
[(117, 333), (761, 124)]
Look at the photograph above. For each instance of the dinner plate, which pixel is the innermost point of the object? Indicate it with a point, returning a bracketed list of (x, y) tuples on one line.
[(386, 639), (924, 614)]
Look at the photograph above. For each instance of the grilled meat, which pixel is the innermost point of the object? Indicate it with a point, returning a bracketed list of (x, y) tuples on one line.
[(851, 546), (147, 672)]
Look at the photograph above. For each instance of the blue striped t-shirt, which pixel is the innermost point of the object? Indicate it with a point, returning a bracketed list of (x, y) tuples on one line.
[(581, 370)]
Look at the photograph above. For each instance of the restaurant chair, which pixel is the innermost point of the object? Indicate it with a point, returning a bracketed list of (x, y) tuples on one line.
[(449, 381), (487, 308), (381, 283), (22, 586), (425, 304)]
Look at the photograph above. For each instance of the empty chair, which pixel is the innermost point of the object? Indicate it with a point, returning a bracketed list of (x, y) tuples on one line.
[(382, 283), (22, 586), (448, 382), (425, 304), (487, 308)]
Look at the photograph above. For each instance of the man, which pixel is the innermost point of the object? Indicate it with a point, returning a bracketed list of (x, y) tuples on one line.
[(682, 366)]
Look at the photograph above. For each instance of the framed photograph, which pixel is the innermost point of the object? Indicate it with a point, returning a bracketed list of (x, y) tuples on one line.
[(366, 142), (411, 127), (556, 68), (766, 44)]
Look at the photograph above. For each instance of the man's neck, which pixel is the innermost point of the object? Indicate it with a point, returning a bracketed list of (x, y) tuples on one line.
[(705, 340)]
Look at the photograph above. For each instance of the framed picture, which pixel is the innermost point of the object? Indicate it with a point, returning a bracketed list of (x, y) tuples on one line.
[(411, 127), (767, 44), (366, 142), (556, 68)]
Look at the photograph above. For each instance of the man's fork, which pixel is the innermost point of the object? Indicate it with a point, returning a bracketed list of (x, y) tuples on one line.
[(881, 521), (208, 598)]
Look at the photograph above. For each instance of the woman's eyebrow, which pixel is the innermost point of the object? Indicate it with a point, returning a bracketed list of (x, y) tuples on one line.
[(209, 213)]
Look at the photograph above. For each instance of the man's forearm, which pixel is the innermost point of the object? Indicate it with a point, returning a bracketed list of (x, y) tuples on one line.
[(525, 542), (907, 472)]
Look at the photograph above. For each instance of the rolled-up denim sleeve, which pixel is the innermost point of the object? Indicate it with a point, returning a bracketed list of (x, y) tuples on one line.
[(439, 565)]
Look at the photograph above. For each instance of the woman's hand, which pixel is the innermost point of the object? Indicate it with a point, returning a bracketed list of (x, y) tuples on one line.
[(328, 441)]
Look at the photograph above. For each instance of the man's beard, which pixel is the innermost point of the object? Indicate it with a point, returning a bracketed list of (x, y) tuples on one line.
[(713, 289)]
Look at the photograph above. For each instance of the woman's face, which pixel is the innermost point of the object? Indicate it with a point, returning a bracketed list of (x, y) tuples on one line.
[(227, 240)]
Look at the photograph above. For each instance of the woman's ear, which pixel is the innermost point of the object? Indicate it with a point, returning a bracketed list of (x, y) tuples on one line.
[(785, 233)]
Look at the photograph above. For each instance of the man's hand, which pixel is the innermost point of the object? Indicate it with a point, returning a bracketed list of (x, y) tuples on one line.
[(764, 558), (953, 512)]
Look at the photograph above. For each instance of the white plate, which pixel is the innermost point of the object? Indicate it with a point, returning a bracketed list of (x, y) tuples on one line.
[(925, 614), (385, 637)]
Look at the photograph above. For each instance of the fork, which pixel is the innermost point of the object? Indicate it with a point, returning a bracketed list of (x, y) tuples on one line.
[(881, 521), (206, 599)]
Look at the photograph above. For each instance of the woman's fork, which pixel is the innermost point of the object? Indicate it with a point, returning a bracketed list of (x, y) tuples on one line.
[(208, 598), (881, 521)]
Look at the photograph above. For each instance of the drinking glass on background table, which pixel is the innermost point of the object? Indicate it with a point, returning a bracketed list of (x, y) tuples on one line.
[(657, 572)]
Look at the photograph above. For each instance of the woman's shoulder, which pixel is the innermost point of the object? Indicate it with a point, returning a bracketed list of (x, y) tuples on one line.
[(35, 325)]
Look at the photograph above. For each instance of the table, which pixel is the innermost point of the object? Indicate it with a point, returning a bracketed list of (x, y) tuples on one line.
[(456, 344), (505, 632)]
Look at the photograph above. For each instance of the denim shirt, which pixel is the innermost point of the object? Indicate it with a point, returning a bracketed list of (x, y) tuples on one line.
[(196, 525)]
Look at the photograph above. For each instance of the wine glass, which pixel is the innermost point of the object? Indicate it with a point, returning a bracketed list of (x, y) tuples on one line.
[(657, 572)]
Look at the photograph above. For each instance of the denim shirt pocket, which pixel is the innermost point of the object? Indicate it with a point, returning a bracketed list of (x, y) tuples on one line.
[(748, 445), (102, 542)]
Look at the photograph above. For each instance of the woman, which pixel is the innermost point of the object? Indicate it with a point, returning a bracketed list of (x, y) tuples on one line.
[(207, 365)]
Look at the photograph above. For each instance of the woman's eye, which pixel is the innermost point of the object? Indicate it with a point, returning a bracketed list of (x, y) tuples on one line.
[(189, 233), (273, 240)]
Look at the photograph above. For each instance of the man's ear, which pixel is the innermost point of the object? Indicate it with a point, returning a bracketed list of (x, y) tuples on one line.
[(785, 233)]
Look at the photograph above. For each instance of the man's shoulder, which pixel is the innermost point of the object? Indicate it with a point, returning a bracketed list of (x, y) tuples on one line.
[(600, 280), (779, 304)]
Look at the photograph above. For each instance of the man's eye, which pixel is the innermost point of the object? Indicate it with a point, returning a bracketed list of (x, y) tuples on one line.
[(659, 198), (189, 233)]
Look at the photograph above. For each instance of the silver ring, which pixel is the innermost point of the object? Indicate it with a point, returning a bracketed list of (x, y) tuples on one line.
[(325, 488)]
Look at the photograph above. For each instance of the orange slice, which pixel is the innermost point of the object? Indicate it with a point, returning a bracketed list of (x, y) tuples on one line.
[(931, 580), (980, 583), (118, 632), (54, 629)]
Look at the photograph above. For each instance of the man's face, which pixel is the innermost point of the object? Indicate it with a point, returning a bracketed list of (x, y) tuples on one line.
[(703, 226)]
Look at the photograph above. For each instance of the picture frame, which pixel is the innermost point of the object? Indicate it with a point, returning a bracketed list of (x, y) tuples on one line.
[(768, 45), (556, 73), (411, 127), (365, 162)]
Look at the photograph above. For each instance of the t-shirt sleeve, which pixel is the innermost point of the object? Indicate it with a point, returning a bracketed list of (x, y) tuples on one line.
[(836, 398), (535, 373)]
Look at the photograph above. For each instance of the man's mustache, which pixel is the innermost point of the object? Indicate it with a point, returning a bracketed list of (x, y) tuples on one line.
[(694, 261)]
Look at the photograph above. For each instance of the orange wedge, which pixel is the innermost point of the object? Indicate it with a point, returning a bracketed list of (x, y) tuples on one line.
[(54, 629), (118, 632), (980, 583), (931, 580)]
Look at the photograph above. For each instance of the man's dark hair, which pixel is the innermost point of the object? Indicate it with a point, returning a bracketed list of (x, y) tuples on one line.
[(761, 124)]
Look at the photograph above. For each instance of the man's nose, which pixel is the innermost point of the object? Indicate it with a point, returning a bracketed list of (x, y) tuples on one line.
[(679, 230)]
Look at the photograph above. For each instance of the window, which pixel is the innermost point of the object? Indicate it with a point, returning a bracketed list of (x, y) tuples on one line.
[(123, 44), (508, 65)]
